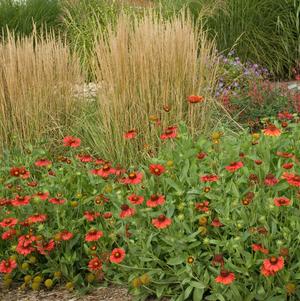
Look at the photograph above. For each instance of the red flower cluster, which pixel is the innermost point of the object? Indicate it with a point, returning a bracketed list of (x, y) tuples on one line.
[(20, 172), (292, 179)]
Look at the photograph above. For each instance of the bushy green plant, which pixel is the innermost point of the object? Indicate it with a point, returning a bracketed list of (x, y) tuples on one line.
[(266, 32), (23, 16), (214, 219), (261, 100)]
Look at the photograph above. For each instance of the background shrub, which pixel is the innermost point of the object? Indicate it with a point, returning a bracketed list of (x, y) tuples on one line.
[(20, 16)]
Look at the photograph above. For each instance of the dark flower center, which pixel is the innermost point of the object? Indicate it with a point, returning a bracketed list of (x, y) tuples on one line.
[(273, 260), (224, 273), (168, 132), (106, 167), (124, 207), (135, 198), (117, 255), (190, 260), (132, 175), (7, 264), (93, 232), (154, 197), (246, 202), (156, 170), (161, 218)]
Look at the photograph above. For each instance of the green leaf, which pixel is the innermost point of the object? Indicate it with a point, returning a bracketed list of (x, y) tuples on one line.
[(159, 291), (187, 292), (198, 294), (198, 284), (173, 185), (175, 260)]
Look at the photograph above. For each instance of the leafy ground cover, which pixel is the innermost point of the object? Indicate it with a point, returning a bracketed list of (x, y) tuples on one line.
[(212, 219)]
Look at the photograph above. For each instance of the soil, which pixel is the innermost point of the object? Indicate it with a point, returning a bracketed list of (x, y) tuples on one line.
[(99, 294)]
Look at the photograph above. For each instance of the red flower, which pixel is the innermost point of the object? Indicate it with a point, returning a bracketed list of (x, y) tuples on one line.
[(45, 248), (288, 165), (24, 248), (71, 141), (284, 155), (126, 211), (99, 161), (27, 239), (203, 206), (258, 162), (216, 223), (15, 172), (272, 265), (85, 158), (20, 201), (7, 266), (292, 179), (209, 178), (105, 171), (130, 134), (95, 264), (107, 215), (93, 235), (37, 218), (56, 201), (201, 155), (32, 184), (271, 180), (282, 201), (161, 222), (195, 98), (155, 200), (225, 277), (233, 166), (8, 222), (9, 234), (135, 199), (117, 255), (91, 216), (169, 133), (272, 130), (133, 178), (66, 235), (42, 195), (259, 248), (285, 115), (43, 162), (157, 169)]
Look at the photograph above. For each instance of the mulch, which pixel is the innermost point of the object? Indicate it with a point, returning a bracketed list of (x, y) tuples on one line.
[(98, 294)]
